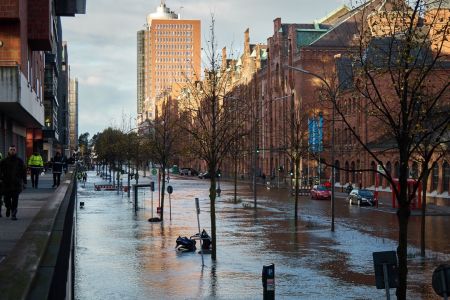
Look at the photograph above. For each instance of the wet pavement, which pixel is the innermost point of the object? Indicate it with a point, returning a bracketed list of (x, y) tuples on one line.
[(120, 255), (30, 202)]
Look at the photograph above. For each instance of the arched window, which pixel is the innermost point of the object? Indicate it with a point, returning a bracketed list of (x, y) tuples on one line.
[(446, 176), (415, 170), (353, 172), (388, 170), (396, 169), (358, 172), (346, 172), (337, 172), (435, 177), (345, 136), (374, 169)]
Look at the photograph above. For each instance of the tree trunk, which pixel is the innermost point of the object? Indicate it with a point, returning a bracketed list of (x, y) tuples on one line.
[(424, 208), (403, 214), (163, 188), (235, 180), (212, 198)]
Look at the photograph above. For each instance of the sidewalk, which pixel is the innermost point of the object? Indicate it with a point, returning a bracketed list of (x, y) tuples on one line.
[(30, 202)]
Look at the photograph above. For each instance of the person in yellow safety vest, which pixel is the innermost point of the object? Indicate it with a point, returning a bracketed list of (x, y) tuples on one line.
[(36, 165)]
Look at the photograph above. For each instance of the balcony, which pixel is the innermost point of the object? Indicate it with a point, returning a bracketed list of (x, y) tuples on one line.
[(39, 25), (17, 100), (10, 10), (70, 7)]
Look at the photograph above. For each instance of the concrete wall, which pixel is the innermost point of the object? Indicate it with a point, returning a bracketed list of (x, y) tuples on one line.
[(40, 264)]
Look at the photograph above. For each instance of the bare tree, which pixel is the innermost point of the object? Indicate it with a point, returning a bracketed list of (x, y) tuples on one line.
[(401, 79), (297, 145), (209, 118), (164, 141)]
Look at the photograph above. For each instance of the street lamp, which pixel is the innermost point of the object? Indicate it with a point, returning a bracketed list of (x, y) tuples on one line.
[(332, 93)]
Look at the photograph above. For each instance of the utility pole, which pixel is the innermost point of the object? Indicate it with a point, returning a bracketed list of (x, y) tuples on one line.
[(333, 170), (255, 149)]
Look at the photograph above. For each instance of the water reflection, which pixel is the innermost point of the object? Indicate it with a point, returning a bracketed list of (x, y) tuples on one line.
[(120, 255)]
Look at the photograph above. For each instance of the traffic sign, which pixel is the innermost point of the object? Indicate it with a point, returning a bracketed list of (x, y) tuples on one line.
[(154, 171)]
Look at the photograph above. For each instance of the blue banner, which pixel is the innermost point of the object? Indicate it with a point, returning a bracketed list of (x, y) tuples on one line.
[(315, 134)]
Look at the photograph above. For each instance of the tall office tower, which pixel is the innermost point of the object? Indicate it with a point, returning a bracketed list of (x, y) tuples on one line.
[(168, 55), (73, 114)]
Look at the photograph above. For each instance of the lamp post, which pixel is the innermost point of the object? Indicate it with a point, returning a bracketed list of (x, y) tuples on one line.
[(333, 95)]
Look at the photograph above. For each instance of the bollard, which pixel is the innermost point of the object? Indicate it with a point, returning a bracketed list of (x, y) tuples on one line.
[(441, 281), (152, 186), (135, 188), (268, 282)]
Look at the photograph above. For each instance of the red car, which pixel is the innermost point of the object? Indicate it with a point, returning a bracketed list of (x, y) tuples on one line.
[(320, 192)]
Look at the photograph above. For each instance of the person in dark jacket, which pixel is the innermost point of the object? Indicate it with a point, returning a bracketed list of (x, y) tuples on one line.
[(14, 176), (57, 168)]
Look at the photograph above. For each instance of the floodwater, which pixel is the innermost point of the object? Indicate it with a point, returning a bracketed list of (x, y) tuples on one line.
[(120, 255)]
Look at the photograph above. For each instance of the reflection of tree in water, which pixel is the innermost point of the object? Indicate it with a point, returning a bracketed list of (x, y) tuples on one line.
[(213, 280)]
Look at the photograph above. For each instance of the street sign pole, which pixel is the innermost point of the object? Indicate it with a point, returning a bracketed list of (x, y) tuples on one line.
[(170, 191), (386, 281), (197, 206)]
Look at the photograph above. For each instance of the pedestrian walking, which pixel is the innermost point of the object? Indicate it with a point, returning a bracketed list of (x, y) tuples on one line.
[(14, 176), (57, 168), (65, 162), (36, 164)]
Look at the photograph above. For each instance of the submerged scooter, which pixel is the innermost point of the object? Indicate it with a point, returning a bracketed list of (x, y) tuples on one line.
[(206, 239), (185, 244)]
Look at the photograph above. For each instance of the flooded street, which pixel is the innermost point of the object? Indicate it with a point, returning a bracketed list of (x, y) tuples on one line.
[(120, 255)]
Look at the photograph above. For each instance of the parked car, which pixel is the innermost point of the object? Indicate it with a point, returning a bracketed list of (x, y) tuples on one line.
[(205, 175), (320, 192), (188, 172), (361, 197)]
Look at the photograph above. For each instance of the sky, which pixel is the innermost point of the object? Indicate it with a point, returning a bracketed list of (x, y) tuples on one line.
[(102, 45)]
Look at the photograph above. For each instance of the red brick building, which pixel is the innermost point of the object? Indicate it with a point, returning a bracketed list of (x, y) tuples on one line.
[(324, 48)]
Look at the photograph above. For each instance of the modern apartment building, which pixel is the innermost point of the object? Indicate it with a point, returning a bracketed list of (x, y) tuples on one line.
[(28, 42), (63, 96), (73, 115), (168, 54)]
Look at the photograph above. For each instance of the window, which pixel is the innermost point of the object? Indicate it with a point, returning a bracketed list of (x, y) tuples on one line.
[(346, 172), (337, 172), (353, 172), (435, 177), (374, 169), (389, 168), (415, 170), (396, 169), (445, 177)]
